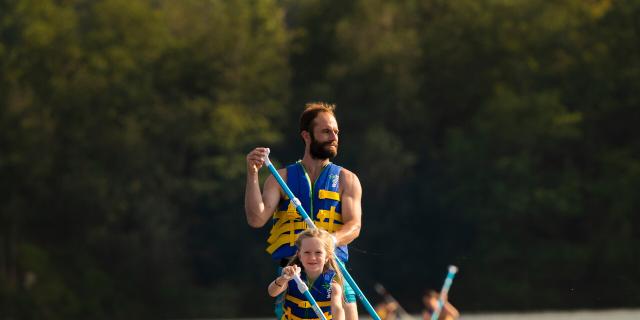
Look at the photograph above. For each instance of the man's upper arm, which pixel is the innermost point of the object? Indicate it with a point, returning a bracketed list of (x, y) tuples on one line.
[(351, 199), (271, 196)]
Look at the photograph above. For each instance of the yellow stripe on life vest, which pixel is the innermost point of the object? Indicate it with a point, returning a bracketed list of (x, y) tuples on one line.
[(334, 222), (330, 214), (286, 227), (331, 228), (289, 239), (290, 316), (284, 230), (306, 304), (291, 214), (284, 217), (326, 194)]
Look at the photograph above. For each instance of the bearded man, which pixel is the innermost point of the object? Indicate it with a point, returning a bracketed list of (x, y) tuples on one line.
[(330, 194)]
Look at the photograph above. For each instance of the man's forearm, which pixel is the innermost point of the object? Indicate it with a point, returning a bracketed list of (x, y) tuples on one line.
[(253, 204), (349, 232)]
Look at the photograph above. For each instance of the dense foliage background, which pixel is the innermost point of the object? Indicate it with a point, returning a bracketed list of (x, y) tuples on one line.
[(496, 135)]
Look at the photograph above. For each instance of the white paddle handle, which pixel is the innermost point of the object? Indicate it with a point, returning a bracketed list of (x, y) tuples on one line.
[(301, 285), (266, 158)]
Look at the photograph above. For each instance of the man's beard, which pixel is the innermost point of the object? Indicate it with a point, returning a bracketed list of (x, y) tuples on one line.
[(322, 150)]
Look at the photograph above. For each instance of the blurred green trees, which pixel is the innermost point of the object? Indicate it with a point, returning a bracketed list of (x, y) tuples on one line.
[(496, 135), (124, 129)]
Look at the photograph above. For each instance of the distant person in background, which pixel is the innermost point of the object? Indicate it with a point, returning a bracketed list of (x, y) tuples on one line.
[(387, 310), (319, 271), (329, 193), (430, 300)]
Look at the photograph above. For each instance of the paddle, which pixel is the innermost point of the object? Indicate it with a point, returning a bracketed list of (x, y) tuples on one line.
[(310, 223), (445, 290)]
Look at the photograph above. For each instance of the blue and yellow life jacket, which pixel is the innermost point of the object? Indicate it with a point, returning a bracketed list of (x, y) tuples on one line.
[(325, 209), (296, 306)]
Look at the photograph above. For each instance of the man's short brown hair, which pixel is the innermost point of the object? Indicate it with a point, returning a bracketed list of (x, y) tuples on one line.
[(311, 111)]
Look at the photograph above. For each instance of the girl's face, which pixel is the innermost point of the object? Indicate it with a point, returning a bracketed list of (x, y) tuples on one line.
[(312, 255)]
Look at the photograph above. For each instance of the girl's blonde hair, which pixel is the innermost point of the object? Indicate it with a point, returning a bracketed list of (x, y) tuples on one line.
[(328, 245)]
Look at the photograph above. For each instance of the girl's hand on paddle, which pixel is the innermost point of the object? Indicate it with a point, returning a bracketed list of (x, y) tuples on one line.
[(290, 271), (255, 159)]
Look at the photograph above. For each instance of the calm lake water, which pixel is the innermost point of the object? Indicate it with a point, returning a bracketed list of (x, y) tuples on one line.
[(551, 315), (557, 315)]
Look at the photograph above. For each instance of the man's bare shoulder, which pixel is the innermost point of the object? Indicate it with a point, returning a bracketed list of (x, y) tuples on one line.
[(348, 180), (347, 174)]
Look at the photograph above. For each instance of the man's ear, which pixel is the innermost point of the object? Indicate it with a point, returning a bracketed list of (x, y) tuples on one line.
[(306, 136)]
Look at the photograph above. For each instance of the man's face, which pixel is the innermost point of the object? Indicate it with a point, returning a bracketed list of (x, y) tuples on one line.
[(324, 137)]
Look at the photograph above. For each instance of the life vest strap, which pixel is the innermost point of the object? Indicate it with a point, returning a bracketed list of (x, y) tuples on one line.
[(290, 316), (306, 304), (289, 227), (333, 217), (289, 239), (291, 214), (326, 194)]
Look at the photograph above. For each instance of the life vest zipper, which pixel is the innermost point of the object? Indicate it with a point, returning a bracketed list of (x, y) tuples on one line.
[(312, 188)]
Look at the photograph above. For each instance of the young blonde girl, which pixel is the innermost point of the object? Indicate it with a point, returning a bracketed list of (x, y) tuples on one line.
[(321, 273)]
